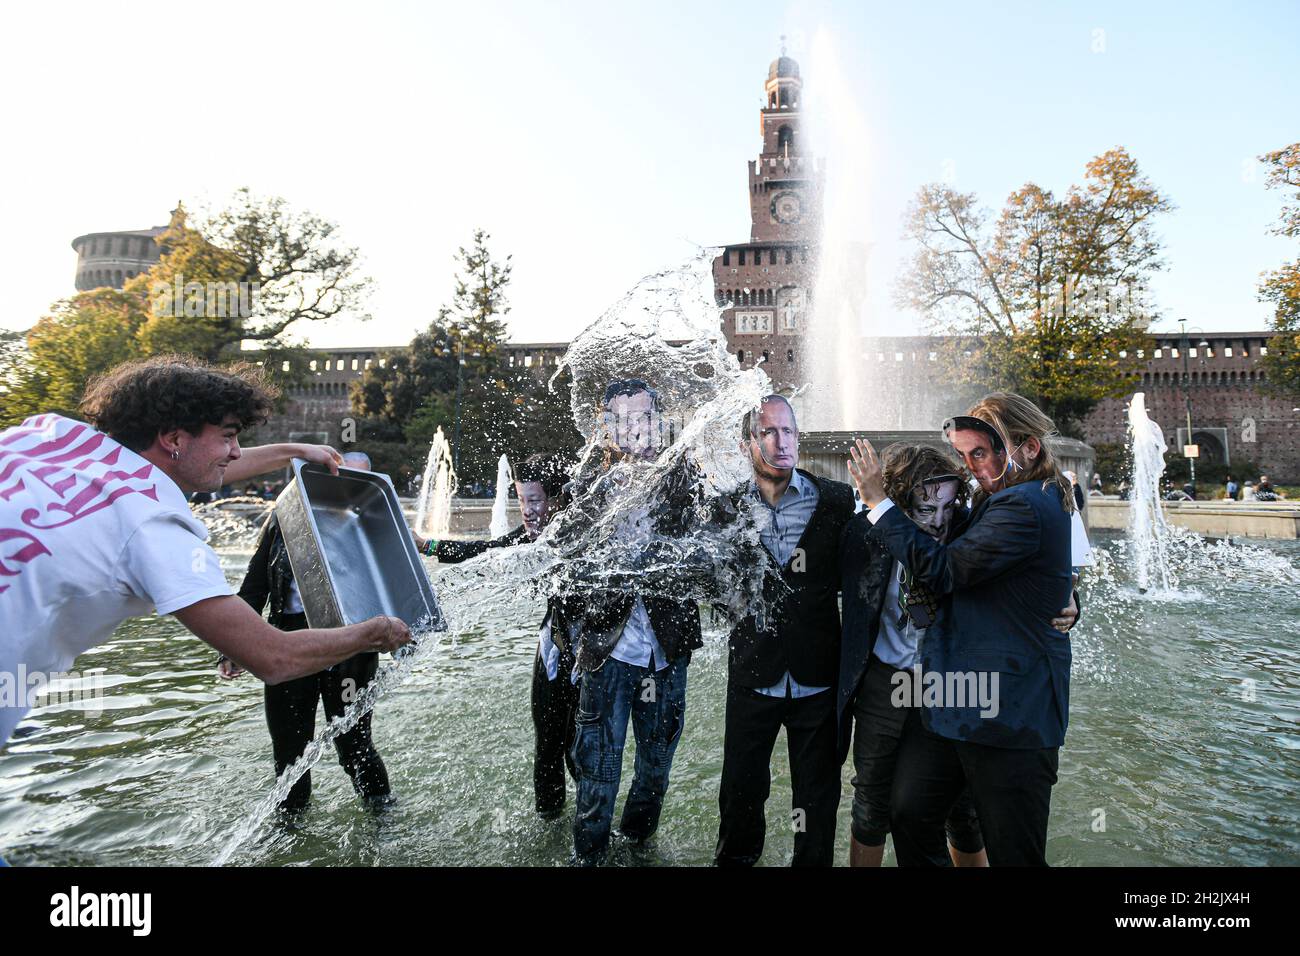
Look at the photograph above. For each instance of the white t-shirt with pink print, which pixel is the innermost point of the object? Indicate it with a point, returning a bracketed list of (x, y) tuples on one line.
[(90, 534)]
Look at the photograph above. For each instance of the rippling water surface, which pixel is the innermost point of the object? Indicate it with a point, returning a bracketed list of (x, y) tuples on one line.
[(1184, 746)]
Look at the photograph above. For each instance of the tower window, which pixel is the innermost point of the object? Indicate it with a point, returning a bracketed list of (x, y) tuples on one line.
[(789, 355), (785, 135)]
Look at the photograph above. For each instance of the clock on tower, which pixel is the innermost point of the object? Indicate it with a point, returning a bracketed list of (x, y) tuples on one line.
[(787, 207)]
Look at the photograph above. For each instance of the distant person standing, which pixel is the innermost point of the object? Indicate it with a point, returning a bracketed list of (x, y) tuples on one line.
[(1231, 490), (1075, 489), (291, 705), (539, 485), (1095, 491)]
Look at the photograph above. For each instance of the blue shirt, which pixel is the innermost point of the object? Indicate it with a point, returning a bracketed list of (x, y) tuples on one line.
[(789, 517)]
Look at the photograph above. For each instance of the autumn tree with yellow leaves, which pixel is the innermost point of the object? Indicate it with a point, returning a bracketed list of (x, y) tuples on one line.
[(1051, 299), (1282, 286)]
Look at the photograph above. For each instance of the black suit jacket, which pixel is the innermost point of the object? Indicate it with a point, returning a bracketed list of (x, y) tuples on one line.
[(800, 629), (597, 600), (1005, 578)]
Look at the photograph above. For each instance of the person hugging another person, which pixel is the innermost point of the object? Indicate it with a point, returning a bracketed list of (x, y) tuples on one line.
[(887, 611), (999, 668)]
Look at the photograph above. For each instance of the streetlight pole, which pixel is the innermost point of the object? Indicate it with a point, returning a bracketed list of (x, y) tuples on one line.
[(460, 378), (1187, 398)]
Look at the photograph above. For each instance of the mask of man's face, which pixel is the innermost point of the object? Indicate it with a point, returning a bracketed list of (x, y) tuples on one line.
[(632, 424), (534, 506), (976, 450), (932, 507), (774, 446)]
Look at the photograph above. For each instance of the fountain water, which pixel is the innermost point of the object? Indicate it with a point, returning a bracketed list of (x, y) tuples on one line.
[(501, 504), (834, 400), (1149, 533), (1164, 554), (438, 484)]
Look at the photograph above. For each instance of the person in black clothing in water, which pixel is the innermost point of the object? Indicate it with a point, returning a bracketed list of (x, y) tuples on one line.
[(291, 706), (539, 483)]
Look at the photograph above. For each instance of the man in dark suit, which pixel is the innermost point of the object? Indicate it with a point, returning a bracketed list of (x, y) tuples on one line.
[(784, 657), (1002, 669), (291, 705), (539, 485)]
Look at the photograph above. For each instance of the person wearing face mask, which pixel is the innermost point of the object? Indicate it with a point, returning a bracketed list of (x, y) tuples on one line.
[(1001, 583), (631, 648), (783, 658), (886, 613), (539, 487)]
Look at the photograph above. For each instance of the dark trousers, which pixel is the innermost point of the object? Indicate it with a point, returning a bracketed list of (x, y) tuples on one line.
[(1011, 789), (555, 704), (879, 728), (291, 718), (752, 723)]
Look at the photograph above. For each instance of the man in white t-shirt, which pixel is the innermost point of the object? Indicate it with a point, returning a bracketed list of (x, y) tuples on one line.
[(95, 527)]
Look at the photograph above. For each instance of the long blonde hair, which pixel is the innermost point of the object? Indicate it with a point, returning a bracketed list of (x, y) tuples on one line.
[(1016, 419)]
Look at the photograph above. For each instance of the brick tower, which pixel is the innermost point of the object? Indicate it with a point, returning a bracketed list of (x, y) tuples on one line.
[(765, 284)]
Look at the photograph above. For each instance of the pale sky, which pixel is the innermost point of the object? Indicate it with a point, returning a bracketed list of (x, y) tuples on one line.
[(601, 141)]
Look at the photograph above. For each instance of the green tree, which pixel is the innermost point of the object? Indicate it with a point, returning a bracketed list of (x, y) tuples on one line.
[(502, 410), (252, 271), (249, 272), (1282, 286), (1051, 300), (85, 335)]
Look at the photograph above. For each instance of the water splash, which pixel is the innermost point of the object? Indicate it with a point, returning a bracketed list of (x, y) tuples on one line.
[(672, 525), (437, 485), (501, 504), (1162, 555), (426, 642)]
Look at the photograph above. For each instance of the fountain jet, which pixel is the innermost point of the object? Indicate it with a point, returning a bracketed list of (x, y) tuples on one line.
[(433, 513), (501, 504), (1148, 530)]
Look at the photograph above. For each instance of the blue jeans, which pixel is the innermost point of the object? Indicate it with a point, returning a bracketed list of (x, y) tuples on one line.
[(656, 703)]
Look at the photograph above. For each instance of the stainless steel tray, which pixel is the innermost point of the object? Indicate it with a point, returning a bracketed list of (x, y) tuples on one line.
[(350, 549)]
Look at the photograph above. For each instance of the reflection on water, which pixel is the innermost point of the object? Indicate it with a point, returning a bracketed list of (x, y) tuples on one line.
[(1184, 743)]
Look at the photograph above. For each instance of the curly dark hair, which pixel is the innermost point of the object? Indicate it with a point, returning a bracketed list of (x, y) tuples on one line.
[(907, 465), (137, 401), (552, 471)]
